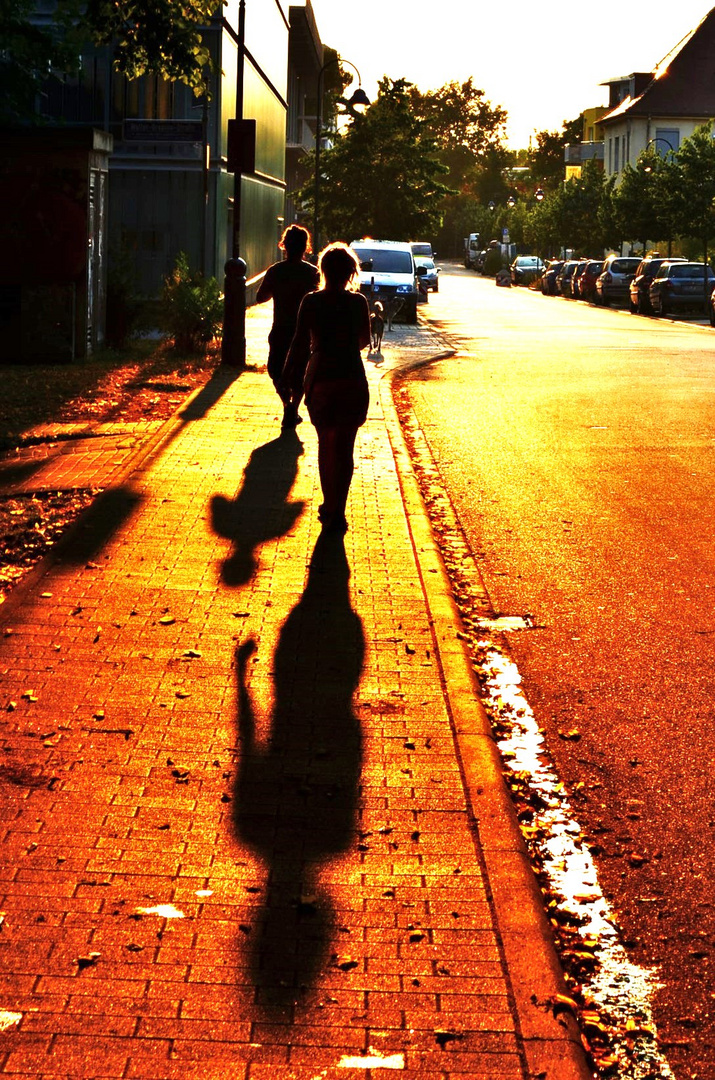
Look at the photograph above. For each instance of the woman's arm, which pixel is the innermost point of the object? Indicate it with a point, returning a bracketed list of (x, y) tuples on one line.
[(265, 289)]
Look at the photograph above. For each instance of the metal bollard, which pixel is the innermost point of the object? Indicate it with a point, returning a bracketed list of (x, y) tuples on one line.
[(233, 344)]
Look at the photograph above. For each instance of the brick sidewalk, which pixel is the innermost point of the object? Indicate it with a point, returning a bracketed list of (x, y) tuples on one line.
[(236, 837)]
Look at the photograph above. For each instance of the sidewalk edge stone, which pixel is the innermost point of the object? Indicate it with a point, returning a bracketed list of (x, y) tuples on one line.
[(552, 1045)]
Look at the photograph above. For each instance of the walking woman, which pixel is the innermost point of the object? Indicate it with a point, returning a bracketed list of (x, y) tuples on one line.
[(286, 283), (324, 361)]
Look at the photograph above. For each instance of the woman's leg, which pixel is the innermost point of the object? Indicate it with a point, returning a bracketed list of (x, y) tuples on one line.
[(345, 465), (335, 466), (327, 470)]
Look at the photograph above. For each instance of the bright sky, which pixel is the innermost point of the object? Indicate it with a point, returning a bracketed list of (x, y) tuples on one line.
[(543, 61)]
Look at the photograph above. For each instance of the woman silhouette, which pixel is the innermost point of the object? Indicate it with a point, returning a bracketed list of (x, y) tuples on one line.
[(286, 283), (324, 361)]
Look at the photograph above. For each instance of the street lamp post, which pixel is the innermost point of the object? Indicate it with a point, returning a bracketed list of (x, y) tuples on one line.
[(359, 97), (233, 342), (648, 169)]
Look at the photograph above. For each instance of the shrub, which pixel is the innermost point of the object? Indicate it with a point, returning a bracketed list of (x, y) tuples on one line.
[(191, 307)]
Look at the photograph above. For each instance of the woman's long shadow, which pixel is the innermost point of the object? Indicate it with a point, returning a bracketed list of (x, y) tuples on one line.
[(261, 510), (296, 793)]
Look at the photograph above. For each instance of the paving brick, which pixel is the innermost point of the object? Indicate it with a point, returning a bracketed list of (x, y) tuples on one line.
[(252, 805)]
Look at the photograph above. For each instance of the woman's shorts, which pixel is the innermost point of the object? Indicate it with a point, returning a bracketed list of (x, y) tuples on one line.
[(338, 402)]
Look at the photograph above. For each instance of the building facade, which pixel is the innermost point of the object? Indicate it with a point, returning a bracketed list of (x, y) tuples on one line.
[(661, 108), (169, 187)]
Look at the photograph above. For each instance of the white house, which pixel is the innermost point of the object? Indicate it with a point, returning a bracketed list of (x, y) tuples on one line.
[(663, 107)]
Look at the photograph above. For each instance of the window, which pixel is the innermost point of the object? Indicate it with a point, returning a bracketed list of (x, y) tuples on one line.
[(385, 261), (616, 156), (666, 140)]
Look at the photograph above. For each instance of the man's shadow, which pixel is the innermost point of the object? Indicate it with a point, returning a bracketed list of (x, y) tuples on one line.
[(261, 510), (295, 802)]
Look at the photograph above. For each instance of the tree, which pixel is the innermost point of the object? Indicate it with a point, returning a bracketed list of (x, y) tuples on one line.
[(382, 176), (693, 187), (463, 124), (27, 53), (468, 132), (639, 207), (546, 159), (577, 215), (162, 37)]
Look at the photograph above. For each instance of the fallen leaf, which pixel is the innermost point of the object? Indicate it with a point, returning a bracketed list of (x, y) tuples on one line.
[(444, 1037), (167, 620), (87, 961)]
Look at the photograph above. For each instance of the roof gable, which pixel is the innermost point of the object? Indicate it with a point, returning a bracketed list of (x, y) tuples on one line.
[(683, 84)]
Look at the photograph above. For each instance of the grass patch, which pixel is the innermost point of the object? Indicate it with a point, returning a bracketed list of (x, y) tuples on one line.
[(146, 381)]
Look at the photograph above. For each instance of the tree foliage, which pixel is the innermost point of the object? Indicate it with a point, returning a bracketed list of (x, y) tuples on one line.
[(464, 126), (382, 177), (468, 132), (27, 53), (693, 187), (546, 158), (163, 37)]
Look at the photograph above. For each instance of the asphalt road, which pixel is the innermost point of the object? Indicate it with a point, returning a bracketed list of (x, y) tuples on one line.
[(577, 445)]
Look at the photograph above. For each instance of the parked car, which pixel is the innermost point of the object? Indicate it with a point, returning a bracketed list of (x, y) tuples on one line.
[(638, 290), (563, 279), (615, 279), (525, 269), (576, 279), (587, 282), (548, 278), (430, 278), (679, 286), (422, 249)]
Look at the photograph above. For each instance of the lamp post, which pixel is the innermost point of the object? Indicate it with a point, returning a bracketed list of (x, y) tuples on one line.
[(233, 342), (648, 169), (358, 97), (539, 196)]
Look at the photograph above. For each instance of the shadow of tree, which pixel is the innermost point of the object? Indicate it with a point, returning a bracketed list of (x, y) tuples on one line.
[(261, 510), (296, 793)]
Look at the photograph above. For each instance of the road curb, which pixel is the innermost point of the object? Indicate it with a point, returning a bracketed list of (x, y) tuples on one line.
[(552, 1044)]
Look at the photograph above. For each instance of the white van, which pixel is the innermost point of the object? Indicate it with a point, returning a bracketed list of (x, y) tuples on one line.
[(387, 271)]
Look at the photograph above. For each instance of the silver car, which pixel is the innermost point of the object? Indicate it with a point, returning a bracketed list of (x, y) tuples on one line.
[(613, 285), (429, 275)]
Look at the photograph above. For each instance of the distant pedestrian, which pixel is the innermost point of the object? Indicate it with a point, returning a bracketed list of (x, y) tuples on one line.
[(286, 283), (325, 362)]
